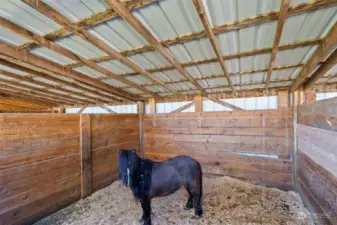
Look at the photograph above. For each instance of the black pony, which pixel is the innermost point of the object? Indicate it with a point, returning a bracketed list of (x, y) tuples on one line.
[(148, 179)]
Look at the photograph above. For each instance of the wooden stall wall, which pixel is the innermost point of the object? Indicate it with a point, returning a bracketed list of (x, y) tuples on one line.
[(316, 158), (39, 165), (233, 143), (48, 161), (109, 133)]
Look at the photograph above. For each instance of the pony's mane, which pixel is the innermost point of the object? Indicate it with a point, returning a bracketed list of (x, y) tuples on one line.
[(141, 179)]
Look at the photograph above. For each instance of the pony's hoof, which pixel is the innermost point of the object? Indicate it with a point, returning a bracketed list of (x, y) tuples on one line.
[(196, 217)]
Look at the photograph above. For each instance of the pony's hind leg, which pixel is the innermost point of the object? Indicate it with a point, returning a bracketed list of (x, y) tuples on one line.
[(189, 204)]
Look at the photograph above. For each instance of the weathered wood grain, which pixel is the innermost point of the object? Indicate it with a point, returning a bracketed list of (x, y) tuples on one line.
[(86, 160), (321, 114), (226, 141)]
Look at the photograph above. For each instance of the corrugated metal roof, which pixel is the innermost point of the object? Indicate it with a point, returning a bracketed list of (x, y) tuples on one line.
[(248, 63), (27, 17), (11, 38), (81, 47), (225, 11), (88, 71), (309, 25), (116, 66), (149, 60), (169, 75), (51, 55), (76, 10), (9, 69), (114, 82), (247, 39), (139, 79), (285, 74), (294, 56)]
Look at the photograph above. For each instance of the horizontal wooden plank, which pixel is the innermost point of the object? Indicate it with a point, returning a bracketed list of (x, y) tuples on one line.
[(221, 122), (18, 192), (103, 180), (31, 150), (224, 139), (32, 211), (258, 131), (251, 172), (279, 113), (326, 198), (321, 114), (324, 139), (17, 126), (105, 160), (188, 147)]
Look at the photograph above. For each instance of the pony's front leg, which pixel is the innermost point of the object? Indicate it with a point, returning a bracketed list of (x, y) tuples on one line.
[(146, 206)]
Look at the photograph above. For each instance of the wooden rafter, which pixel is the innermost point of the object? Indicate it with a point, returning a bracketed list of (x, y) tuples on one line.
[(182, 108), (23, 97), (125, 13), (226, 104), (83, 33), (278, 33), (321, 53), (39, 64), (53, 79), (208, 28), (284, 67), (90, 21), (81, 109), (28, 95), (321, 71), (235, 25), (45, 85), (58, 96), (65, 52)]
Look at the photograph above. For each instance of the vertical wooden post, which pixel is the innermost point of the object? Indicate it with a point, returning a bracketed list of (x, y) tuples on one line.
[(309, 96), (297, 99), (283, 99), (141, 111), (198, 103), (85, 142), (152, 104)]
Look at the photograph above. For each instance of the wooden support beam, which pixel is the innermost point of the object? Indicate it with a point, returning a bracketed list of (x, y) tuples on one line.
[(65, 52), (125, 13), (39, 64), (321, 53), (210, 34), (141, 112), (283, 99), (278, 33), (54, 95), (198, 103), (108, 109), (29, 80), (152, 105), (36, 94), (63, 82), (27, 97), (330, 62), (86, 161), (223, 103), (182, 108), (83, 33)]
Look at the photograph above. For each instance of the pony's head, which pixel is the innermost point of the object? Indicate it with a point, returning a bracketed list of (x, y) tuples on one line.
[(127, 163)]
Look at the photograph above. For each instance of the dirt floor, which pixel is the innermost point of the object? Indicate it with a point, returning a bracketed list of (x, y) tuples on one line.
[(226, 201)]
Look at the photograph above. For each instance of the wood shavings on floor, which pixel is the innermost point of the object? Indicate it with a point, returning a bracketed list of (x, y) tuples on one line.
[(226, 201)]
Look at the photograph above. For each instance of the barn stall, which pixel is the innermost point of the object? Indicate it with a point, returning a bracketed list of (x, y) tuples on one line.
[(248, 88)]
